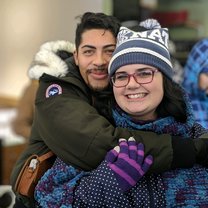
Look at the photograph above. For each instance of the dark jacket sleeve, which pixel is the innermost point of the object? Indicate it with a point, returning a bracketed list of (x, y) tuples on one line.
[(73, 129)]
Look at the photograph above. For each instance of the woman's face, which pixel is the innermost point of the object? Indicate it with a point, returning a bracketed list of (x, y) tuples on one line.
[(203, 82), (139, 100)]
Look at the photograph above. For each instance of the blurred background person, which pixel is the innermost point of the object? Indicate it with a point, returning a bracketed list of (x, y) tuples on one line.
[(25, 110), (23, 121), (196, 80)]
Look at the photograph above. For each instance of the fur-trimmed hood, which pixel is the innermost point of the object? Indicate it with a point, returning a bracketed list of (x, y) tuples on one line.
[(47, 61)]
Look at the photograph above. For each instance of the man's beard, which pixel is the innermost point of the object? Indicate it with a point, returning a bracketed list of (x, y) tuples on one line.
[(98, 88)]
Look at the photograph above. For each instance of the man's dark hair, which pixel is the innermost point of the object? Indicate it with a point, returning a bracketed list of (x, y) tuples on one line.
[(91, 20), (173, 103)]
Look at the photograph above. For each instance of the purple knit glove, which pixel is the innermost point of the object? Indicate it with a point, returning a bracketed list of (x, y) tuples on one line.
[(128, 164)]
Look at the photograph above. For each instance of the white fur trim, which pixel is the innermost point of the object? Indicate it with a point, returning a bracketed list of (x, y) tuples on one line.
[(58, 45), (47, 61)]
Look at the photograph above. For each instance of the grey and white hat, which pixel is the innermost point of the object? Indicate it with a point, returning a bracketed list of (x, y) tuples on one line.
[(146, 47)]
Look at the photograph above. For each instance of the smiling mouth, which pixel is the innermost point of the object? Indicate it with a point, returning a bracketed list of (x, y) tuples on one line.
[(134, 96)]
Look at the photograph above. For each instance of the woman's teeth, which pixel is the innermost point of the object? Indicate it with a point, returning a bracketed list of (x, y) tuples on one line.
[(132, 96)]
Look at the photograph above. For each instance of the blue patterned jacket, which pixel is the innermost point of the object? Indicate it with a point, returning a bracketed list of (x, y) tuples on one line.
[(197, 60)]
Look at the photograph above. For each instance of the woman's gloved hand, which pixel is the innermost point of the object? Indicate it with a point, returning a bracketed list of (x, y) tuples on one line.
[(128, 162)]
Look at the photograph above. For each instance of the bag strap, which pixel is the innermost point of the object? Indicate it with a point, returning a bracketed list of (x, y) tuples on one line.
[(45, 156)]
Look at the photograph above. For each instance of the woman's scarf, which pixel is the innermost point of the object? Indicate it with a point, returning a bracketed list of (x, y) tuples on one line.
[(161, 126)]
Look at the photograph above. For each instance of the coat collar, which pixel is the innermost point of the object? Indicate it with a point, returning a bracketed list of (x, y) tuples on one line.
[(47, 61)]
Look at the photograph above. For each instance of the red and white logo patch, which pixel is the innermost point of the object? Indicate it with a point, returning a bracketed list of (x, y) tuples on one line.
[(53, 90)]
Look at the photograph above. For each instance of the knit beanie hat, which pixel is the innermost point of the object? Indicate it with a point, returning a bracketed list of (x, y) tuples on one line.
[(148, 47)]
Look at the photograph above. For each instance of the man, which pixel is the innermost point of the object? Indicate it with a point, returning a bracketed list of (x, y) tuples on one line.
[(67, 123)]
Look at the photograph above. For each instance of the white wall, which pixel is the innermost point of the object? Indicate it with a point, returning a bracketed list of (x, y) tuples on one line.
[(25, 25)]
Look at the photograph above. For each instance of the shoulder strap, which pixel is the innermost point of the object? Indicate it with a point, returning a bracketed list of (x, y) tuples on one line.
[(46, 156)]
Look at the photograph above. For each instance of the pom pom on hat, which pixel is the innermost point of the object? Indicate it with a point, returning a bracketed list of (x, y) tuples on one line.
[(150, 24), (150, 47)]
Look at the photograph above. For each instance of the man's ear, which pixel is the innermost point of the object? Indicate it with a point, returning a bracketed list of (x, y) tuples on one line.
[(75, 54)]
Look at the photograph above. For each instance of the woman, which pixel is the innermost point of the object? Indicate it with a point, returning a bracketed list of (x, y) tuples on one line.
[(145, 98)]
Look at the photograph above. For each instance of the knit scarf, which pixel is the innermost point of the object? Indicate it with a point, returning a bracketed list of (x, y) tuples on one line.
[(182, 187)]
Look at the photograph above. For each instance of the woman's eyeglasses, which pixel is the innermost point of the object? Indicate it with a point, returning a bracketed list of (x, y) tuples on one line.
[(144, 76)]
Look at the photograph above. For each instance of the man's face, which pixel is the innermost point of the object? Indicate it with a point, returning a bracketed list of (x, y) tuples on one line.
[(93, 56)]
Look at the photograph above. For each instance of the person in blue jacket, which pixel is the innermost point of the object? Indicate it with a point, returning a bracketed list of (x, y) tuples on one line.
[(195, 80)]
